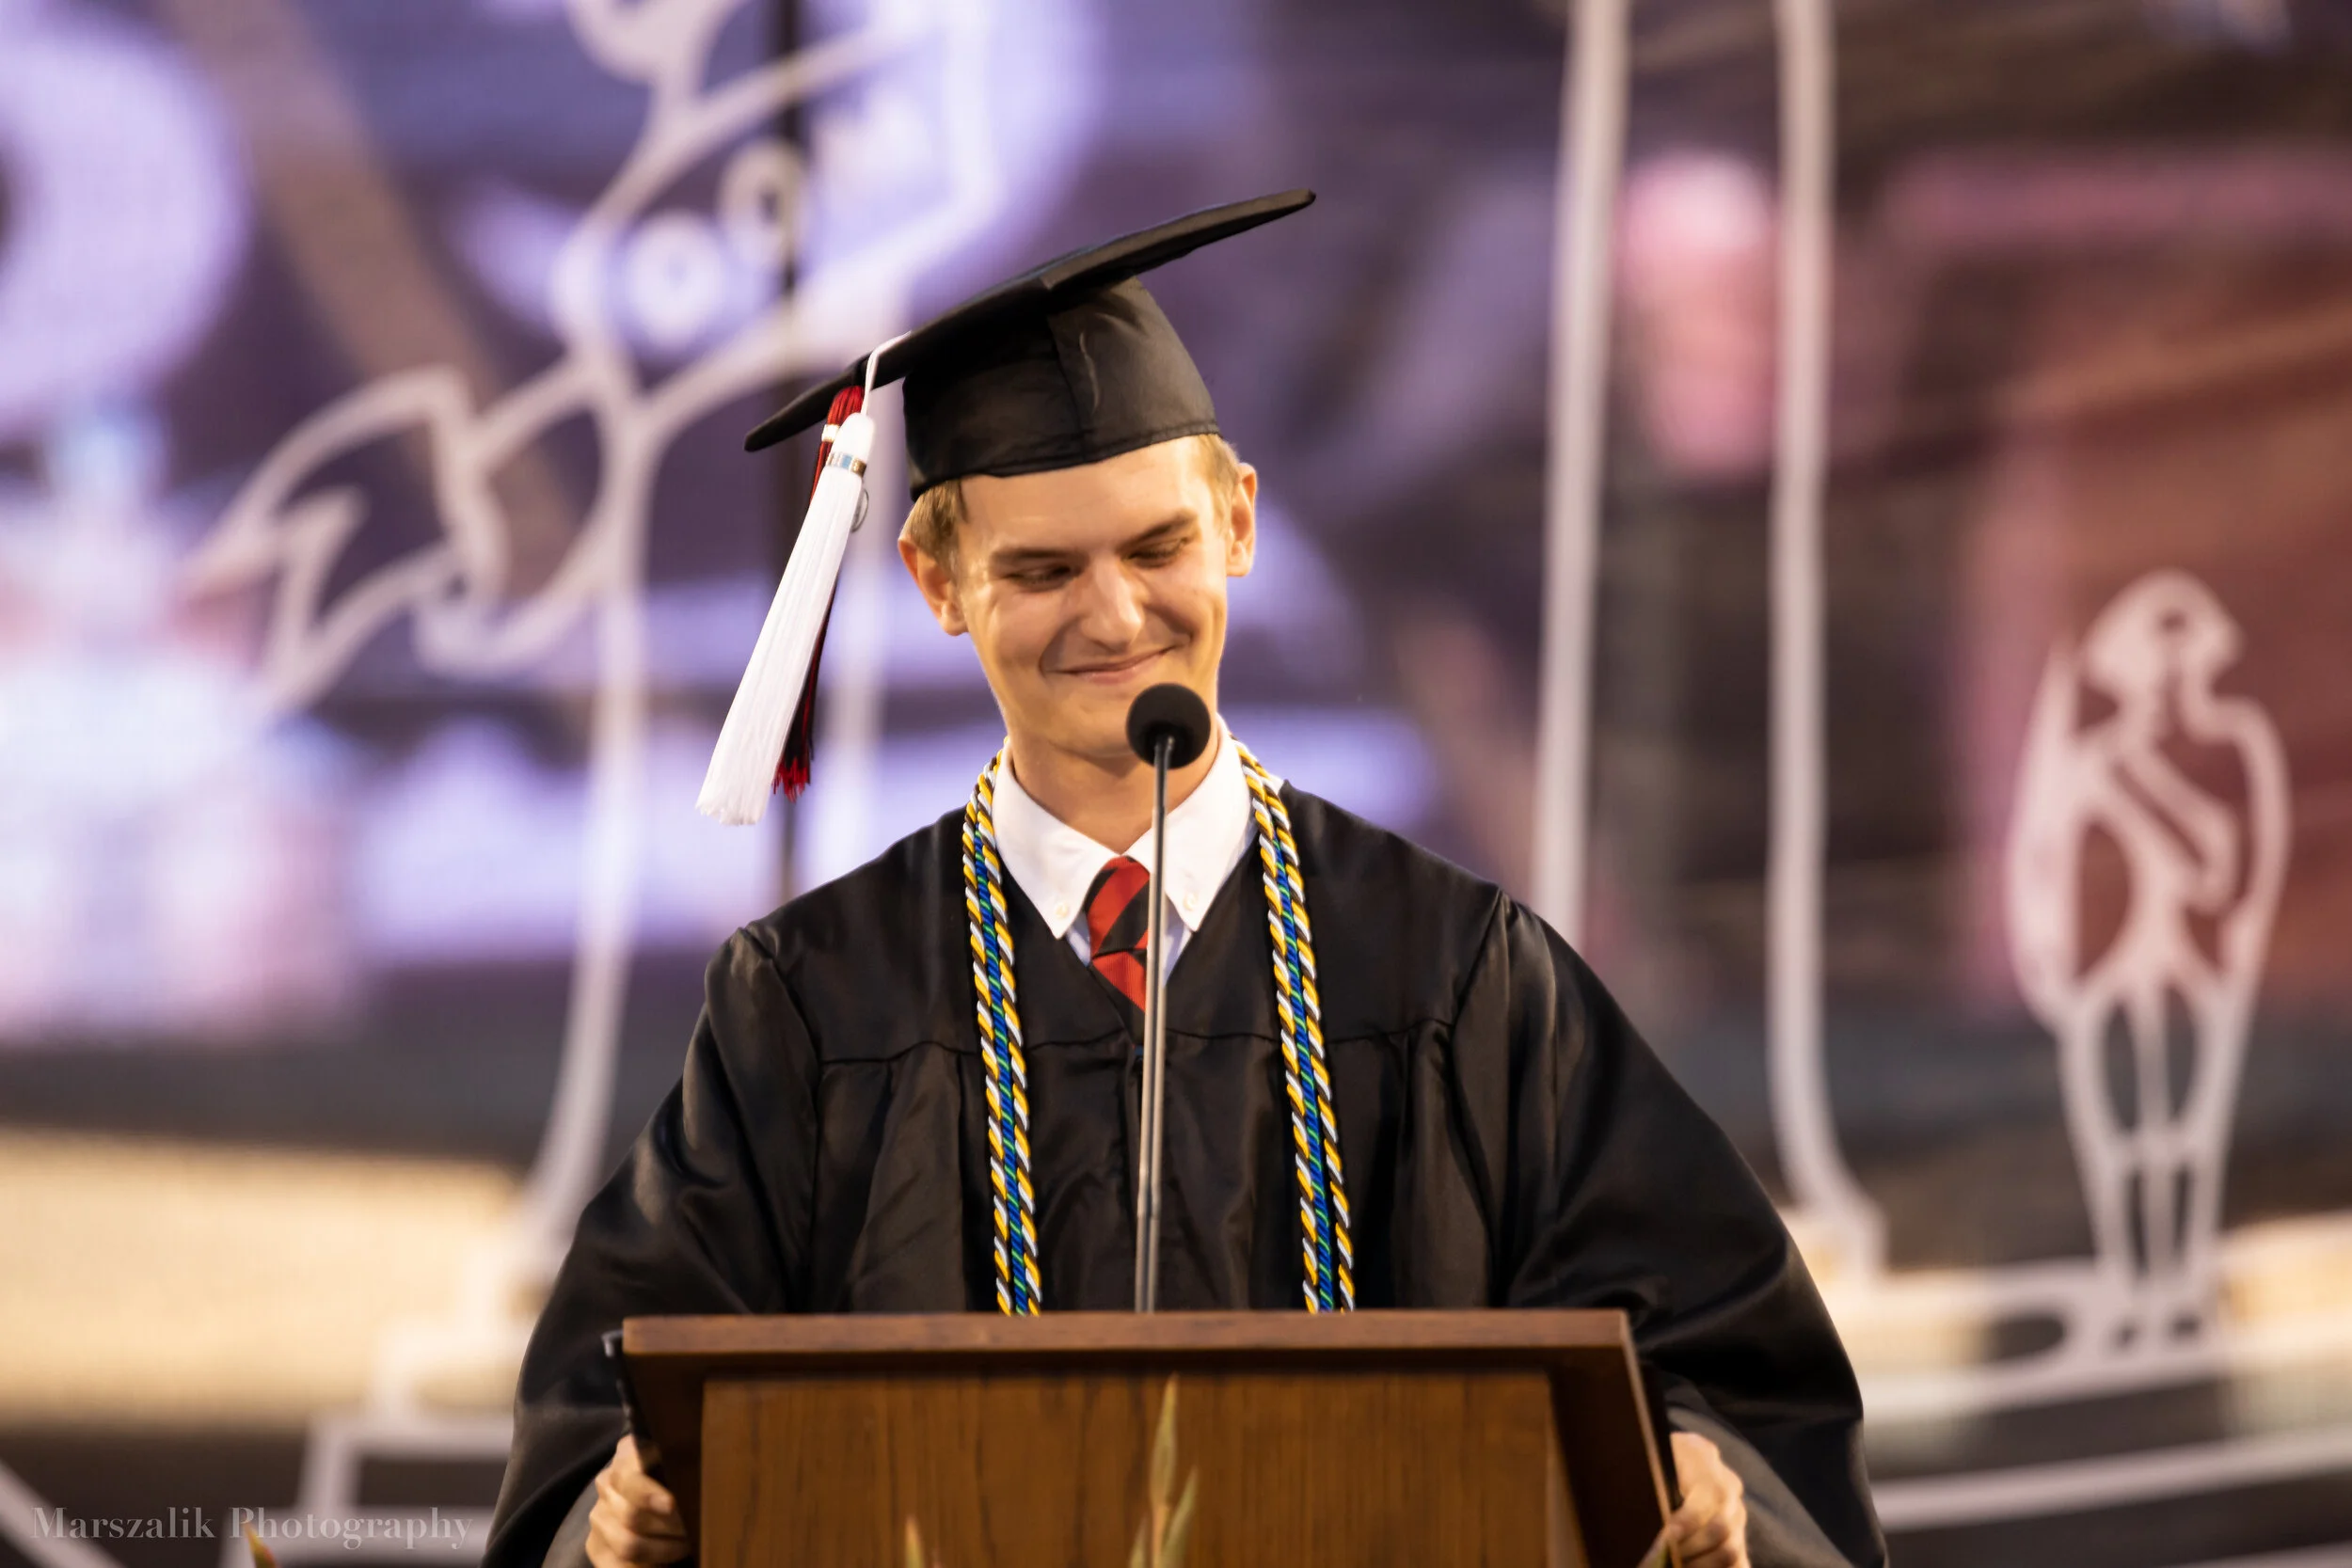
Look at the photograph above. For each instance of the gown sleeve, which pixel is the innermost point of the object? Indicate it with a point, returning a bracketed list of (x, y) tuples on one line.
[(699, 1218), (1617, 1190)]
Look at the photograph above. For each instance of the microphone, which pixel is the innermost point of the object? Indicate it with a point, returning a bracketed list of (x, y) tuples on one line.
[(1169, 727), (1174, 711)]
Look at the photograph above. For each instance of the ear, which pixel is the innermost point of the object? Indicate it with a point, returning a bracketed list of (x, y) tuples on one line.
[(1241, 525), (937, 585)]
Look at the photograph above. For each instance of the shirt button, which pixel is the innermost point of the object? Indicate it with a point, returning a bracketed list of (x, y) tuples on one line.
[(1061, 912)]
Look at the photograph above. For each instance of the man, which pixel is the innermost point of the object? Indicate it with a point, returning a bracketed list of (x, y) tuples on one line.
[(1482, 1127)]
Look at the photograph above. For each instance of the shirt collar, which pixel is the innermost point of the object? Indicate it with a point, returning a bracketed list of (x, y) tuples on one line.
[(1208, 832)]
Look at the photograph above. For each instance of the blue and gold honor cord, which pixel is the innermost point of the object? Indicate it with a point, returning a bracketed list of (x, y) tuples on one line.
[(1018, 1283), (1331, 1283)]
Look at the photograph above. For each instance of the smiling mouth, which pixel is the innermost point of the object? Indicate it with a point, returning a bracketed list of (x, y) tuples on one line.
[(1111, 671)]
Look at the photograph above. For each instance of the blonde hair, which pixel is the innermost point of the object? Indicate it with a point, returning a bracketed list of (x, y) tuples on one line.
[(938, 512)]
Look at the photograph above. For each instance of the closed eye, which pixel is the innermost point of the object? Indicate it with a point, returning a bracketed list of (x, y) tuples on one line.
[(1162, 545)]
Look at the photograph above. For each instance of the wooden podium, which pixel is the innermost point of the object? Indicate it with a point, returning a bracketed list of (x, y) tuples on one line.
[(1412, 1439)]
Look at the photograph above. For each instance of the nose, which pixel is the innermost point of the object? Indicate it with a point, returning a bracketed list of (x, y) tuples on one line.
[(1110, 604)]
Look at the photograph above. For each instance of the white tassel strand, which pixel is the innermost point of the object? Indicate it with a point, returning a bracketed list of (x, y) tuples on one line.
[(743, 766)]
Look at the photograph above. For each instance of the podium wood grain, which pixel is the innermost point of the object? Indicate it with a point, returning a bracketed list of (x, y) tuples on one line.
[(1403, 1438)]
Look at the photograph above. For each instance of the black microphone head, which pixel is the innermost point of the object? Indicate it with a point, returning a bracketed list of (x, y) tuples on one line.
[(1174, 711)]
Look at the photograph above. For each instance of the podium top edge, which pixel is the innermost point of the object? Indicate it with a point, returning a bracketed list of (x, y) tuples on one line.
[(1507, 1334)]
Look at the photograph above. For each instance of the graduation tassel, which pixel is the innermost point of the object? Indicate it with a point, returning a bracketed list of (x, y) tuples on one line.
[(795, 767), (765, 742)]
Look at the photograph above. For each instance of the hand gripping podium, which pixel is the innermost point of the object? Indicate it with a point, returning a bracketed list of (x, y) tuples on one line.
[(1183, 1440)]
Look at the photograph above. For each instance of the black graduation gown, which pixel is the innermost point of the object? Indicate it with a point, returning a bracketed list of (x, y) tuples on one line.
[(1507, 1141)]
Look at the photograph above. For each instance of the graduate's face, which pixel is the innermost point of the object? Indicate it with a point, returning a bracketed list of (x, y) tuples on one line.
[(1081, 587)]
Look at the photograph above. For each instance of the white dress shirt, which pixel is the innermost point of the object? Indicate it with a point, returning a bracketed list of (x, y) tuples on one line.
[(1208, 832)]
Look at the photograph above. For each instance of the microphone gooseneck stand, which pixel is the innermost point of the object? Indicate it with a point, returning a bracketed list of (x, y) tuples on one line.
[(1155, 1040), (1167, 726)]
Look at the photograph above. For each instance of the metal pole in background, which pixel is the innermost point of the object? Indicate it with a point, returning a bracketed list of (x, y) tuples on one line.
[(1591, 148), (1824, 1190)]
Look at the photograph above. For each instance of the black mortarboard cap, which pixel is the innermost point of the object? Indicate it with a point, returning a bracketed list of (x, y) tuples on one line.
[(1069, 363)]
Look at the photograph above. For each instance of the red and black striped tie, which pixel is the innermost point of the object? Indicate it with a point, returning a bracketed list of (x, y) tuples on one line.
[(1119, 910)]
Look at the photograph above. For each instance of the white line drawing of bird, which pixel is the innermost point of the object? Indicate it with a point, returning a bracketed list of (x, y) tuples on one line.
[(2151, 1027)]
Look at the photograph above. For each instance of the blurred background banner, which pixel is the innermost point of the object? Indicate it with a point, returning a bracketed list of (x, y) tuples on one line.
[(1842, 505)]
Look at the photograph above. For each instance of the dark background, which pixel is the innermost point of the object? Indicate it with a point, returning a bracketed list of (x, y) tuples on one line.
[(2091, 323)]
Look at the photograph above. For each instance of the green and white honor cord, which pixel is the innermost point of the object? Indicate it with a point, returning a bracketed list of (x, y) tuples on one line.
[(1331, 1284)]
